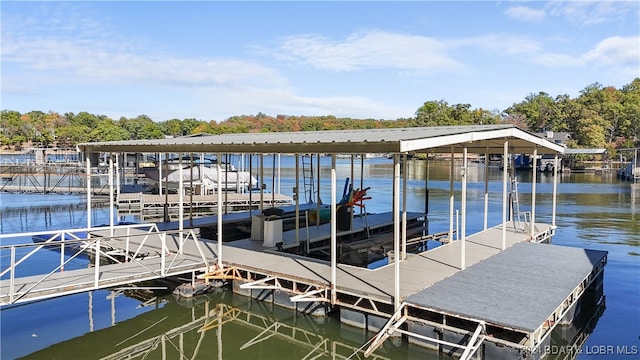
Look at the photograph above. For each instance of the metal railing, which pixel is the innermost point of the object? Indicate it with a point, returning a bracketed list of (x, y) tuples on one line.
[(123, 244)]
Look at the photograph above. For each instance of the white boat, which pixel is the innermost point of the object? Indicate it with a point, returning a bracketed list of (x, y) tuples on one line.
[(206, 179)]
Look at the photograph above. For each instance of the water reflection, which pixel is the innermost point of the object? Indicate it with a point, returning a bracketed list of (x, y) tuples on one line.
[(222, 325), (218, 325)]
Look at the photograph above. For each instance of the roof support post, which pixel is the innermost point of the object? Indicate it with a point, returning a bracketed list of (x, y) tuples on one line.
[(451, 198), (426, 190), (352, 158), (87, 159), (318, 183), (534, 181), (117, 168), (555, 191), (361, 180), (219, 207), (334, 219), (296, 194), (261, 182), (181, 198), (396, 233), (505, 174), (404, 207), (486, 187), (463, 227), (111, 197), (250, 189), (159, 165)]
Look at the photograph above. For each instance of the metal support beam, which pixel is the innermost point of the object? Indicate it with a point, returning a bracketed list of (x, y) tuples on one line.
[(296, 194), (555, 191), (404, 206), (451, 197), (396, 231), (111, 194), (486, 187), (463, 227), (334, 218), (181, 197), (505, 174), (262, 284), (87, 159), (219, 207), (534, 182)]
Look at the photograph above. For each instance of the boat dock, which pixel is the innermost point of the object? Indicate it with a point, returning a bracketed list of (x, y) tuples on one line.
[(431, 281), (153, 206), (498, 292)]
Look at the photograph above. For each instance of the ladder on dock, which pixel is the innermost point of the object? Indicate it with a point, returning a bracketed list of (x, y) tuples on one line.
[(521, 219), (310, 192)]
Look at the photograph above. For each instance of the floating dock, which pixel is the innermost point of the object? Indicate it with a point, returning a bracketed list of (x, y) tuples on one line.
[(495, 293), (153, 206)]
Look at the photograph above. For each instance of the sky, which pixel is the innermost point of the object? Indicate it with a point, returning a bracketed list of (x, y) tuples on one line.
[(210, 60)]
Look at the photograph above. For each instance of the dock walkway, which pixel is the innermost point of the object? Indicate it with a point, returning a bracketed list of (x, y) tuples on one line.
[(143, 256), (417, 272), (150, 205)]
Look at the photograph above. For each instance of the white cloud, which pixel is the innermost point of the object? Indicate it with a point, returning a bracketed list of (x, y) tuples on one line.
[(370, 50), (591, 12), (616, 51), (503, 44), (525, 13), (618, 54), (106, 62)]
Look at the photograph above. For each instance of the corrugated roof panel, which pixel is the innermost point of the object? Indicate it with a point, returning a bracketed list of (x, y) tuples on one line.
[(396, 140), (585, 151)]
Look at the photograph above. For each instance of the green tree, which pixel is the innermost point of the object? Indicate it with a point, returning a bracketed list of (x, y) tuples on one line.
[(84, 119), (433, 113), (538, 109), (141, 127), (108, 130)]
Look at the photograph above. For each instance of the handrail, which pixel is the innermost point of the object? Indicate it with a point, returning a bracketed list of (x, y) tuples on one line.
[(110, 247)]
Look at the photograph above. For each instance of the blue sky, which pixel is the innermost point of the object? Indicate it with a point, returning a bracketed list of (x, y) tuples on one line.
[(210, 60)]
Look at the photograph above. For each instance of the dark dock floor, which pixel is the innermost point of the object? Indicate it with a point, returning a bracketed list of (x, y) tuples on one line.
[(518, 288)]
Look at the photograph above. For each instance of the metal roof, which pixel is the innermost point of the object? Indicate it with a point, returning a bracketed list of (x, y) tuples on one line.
[(438, 139), (585, 151)]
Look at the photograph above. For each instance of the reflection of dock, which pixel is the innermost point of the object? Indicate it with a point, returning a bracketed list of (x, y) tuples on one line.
[(214, 326)]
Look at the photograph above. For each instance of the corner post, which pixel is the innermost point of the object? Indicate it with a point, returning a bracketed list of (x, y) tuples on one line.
[(505, 173), (534, 181), (463, 227), (334, 219), (396, 233), (219, 207), (555, 191)]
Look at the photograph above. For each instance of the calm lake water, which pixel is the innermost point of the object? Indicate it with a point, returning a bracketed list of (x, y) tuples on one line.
[(594, 211)]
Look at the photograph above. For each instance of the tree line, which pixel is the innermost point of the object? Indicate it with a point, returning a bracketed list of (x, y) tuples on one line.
[(601, 116)]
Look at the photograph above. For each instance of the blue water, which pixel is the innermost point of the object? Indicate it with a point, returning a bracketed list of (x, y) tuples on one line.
[(593, 211)]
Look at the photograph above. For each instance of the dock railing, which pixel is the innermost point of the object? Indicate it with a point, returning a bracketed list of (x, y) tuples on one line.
[(124, 244)]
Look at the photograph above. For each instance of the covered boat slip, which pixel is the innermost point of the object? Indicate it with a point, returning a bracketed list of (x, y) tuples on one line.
[(407, 274), (386, 291)]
